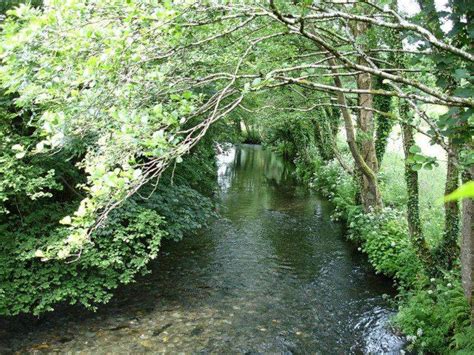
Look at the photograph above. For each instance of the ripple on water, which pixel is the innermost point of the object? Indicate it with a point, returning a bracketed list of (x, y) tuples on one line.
[(273, 275)]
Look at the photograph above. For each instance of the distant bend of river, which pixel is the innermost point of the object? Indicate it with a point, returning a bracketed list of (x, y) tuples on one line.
[(273, 274)]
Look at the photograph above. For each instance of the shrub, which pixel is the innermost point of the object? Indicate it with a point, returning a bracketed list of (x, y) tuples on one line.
[(435, 314), (383, 236), (117, 251), (184, 209), (432, 313)]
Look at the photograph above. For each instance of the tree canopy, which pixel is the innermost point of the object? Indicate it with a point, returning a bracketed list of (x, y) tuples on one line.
[(101, 98)]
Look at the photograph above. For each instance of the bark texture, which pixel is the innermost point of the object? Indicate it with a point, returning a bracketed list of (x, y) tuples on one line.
[(467, 254), (413, 205), (467, 247), (370, 193), (448, 250)]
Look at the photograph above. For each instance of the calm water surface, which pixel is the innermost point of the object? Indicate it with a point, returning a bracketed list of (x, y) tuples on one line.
[(272, 275)]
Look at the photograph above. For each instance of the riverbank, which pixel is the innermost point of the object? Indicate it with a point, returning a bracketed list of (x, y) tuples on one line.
[(432, 312)]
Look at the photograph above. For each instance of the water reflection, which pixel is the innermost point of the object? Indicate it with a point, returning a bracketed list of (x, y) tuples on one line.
[(273, 274)]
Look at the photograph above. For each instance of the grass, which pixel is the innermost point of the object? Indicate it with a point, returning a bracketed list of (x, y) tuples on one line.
[(431, 185)]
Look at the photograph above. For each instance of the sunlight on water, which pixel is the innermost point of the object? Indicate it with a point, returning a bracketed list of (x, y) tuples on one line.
[(273, 274)]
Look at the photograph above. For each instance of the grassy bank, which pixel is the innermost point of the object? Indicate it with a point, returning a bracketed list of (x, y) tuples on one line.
[(433, 313)]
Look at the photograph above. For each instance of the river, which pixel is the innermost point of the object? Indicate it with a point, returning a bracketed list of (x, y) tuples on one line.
[(272, 274)]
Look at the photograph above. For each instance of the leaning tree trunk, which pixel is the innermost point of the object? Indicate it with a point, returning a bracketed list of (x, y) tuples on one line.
[(370, 194), (370, 189)]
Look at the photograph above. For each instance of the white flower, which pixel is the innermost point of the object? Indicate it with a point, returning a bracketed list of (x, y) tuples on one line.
[(450, 285), (430, 292), (432, 279), (359, 248), (392, 244), (419, 332)]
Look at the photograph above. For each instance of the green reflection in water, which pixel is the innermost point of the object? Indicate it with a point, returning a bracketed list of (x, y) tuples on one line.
[(273, 274)]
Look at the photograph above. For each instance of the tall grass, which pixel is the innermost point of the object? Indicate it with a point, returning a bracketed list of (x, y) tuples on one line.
[(431, 185)]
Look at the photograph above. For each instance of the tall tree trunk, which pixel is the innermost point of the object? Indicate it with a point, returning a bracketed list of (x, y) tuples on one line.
[(415, 229), (467, 248), (370, 194), (370, 189), (413, 206), (448, 250)]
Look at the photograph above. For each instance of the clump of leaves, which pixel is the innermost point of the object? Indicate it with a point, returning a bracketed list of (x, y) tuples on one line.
[(120, 250), (435, 314), (419, 161)]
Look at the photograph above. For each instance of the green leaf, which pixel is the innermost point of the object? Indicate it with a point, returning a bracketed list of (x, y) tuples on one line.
[(419, 158), (415, 149), (187, 95), (464, 191), (416, 167), (464, 92), (461, 74)]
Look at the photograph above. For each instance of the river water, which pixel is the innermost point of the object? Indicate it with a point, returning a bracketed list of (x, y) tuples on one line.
[(273, 274)]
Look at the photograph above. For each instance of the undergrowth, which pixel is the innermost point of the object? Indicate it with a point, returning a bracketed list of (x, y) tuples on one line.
[(432, 312)]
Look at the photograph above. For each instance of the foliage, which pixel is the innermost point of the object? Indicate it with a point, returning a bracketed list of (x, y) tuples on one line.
[(436, 315), (285, 136), (384, 239), (184, 209), (128, 241), (384, 124), (464, 191), (56, 147), (433, 314), (65, 71), (122, 248)]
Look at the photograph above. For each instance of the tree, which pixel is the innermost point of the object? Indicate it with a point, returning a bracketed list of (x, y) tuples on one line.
[(122, 91)]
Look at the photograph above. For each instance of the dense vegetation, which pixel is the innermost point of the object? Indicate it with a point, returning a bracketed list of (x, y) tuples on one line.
[(112, 110)]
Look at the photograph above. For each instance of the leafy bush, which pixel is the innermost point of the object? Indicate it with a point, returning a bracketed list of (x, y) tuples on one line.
[(116, 252), (184, 209), (384, 239), (433, 314), (436, 314)]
